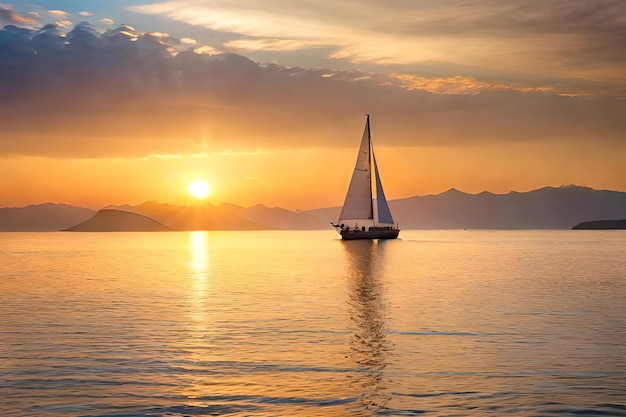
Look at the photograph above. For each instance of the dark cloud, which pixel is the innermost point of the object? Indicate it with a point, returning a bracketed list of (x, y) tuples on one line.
[(124, 93), (575, 32), (586, 32), (514, 19)]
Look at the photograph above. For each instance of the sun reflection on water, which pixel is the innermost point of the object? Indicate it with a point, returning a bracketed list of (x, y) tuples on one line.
[(200, 266)]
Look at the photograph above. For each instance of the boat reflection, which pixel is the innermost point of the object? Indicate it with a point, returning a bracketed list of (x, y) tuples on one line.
[(369, 345)]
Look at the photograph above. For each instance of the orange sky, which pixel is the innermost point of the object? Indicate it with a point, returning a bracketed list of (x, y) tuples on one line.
[(100, 113)]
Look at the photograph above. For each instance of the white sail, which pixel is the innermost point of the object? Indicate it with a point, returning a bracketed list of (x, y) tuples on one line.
[(383, 213), (358, 203)]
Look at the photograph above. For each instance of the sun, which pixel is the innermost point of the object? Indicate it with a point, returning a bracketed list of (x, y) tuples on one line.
[(199, 189)]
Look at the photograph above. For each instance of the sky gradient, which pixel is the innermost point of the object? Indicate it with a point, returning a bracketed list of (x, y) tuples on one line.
[(126, 101)]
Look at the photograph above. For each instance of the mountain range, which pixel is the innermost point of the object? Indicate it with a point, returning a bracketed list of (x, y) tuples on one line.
[(545, 208)]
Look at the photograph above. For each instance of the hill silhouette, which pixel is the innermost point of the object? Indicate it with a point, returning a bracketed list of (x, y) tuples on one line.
[(109, 220)]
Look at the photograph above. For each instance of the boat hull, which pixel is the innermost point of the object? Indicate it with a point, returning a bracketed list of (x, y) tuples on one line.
[(369, 234)]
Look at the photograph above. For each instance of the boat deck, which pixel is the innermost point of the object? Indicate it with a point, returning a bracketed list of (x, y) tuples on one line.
[(371, 233)]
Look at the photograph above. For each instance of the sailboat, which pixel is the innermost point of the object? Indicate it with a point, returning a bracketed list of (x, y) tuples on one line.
[(365, 213)]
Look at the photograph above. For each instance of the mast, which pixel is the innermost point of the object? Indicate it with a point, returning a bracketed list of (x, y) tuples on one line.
[(380, 207), (371, 155)]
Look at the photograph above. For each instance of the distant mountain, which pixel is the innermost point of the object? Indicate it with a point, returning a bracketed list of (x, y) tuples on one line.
[(48, 217), (109, 220), (278, 218), (545, 208), (203, 217)]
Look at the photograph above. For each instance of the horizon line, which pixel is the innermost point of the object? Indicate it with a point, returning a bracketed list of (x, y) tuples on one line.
[(206, 202)]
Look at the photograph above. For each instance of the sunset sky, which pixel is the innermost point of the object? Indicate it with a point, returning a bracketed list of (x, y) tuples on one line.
[(123, 101)]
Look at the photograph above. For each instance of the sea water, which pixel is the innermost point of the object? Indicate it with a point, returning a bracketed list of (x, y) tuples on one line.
[(291, 323)]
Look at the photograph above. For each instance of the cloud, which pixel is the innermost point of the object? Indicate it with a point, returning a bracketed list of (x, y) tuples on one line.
[(207, 50), (79, 93), (188, 41), (86, 14), (457, 85), (8, 16), (573, 41), (245, 17), (269, 45), (59, 14), (106, 21)]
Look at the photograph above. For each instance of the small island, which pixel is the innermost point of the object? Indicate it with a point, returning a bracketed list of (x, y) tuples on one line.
[(601, 225), (110, 220)]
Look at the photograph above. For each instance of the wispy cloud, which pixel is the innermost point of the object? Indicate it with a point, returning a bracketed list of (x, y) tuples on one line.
[(8, 16), (458, 85), (549, 38), (268, 44)]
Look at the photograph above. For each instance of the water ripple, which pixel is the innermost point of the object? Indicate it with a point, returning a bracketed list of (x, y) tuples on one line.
[(283, 324)]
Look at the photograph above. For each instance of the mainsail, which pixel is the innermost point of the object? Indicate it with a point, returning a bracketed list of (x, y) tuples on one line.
[(363, 202)]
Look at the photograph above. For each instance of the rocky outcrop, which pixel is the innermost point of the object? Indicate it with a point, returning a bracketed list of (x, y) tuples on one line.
[(602, 225)]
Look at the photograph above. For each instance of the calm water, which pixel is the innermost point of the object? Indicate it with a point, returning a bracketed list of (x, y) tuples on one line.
[(441, 323)]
